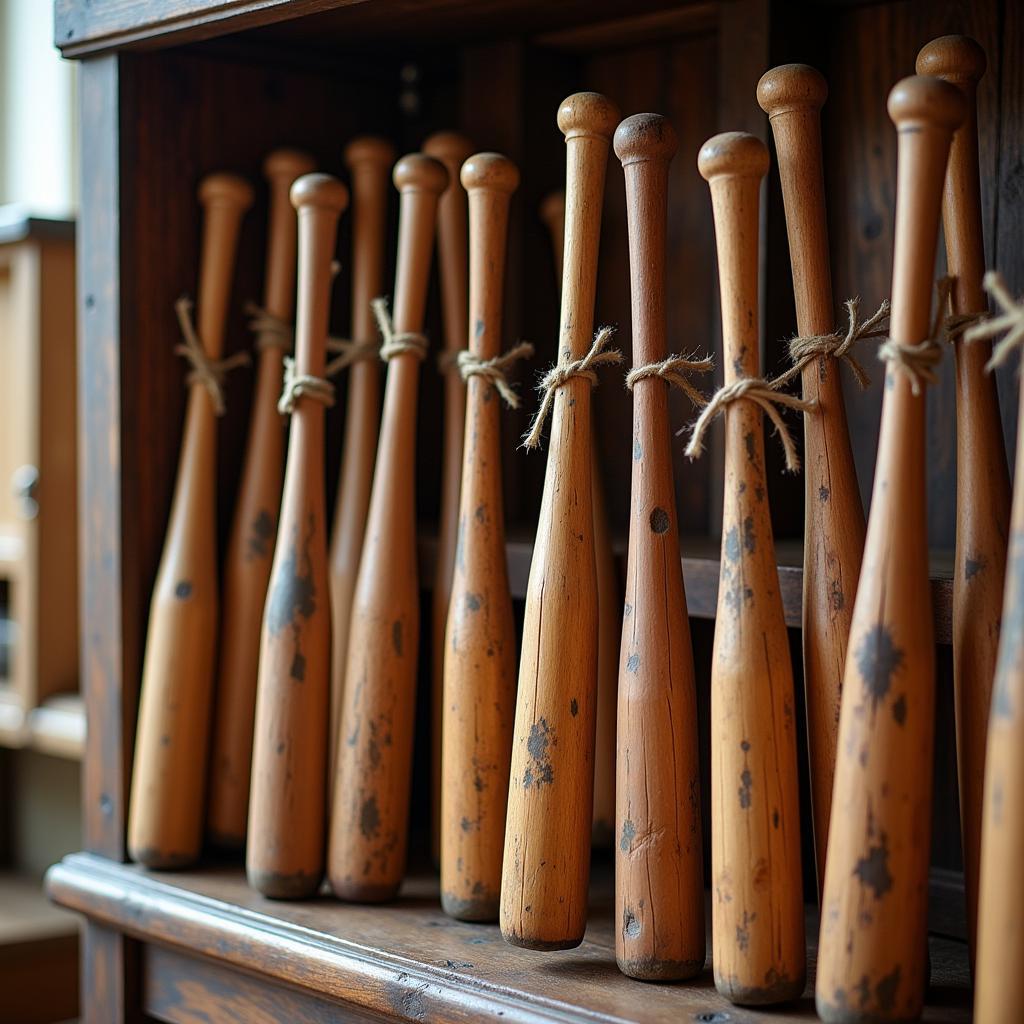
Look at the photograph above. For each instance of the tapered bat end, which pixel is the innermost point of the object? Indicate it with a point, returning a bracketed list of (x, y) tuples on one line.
[(229, 189), (737, 154), (451, 148), (418, 172), (956, 59), (490, 172), (921, 100), (369, 149), (587, 113), (287, 164), (645, 137), (320, 190), (791, 87)]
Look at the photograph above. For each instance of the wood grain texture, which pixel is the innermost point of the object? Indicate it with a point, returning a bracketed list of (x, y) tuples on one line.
[(756, 884), (452, 149), (254, 527), (792, 95), (550, 808), (480, 644), (169, 773), (369, 161), (370, 804), (982, 476), (659, 883), (873, 937)]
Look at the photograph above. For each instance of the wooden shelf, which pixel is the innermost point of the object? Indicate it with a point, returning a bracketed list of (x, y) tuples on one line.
[(56, 727), (406, 960)]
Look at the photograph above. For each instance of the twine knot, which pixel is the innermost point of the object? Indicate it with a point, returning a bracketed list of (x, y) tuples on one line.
[(271, 331), (493, 370), (348, 352), (562, 372), (1010, 320), (298, 385), (675, 372), (208, 372), (918, 361), (396, 343), (805, 350), (763, 394)]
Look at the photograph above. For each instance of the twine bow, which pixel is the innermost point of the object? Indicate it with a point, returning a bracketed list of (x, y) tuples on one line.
[(299, 385), (493, 370), (204, 370), (675, 372), (562, 372), (1010, 320), (396, 343), (918, 361)]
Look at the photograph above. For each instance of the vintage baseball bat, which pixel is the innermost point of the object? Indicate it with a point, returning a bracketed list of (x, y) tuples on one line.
[(254, 527), (165, 819), (659, 878), (756, 888), (370, 807), (452, 149), (285, 847), (480, 646), (872, 950), (792, 97), (609, 597), (369, 161), (546, 867), (982, 476)]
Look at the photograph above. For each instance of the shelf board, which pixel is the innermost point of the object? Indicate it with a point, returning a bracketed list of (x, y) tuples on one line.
[(56, 727), (406, 960)]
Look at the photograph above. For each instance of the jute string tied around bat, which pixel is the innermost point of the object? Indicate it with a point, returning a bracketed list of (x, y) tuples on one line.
[(208, 372), (1011, 320), (805, 350), (918, 361), (763, 394), (493, 370), (302, 385), (675, 371), (270, 330), (560, 373), (395, 343)]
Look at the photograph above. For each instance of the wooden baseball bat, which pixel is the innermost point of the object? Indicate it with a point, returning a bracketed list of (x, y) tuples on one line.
[(165, 819), (452, 149), (872, 950), (982, 476), (609, 597), (659, 878), (370, 807), (756, 888), (546, 867), (480, 645), (285, 848), (792, 97), (369, 161), (254, 527)]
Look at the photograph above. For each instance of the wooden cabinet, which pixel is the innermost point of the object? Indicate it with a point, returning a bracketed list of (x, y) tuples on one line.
[(170, 91)]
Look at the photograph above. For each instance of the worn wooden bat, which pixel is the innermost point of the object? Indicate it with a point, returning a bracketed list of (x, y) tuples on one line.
[(370, 807), (369, 161), (550, 808), (659, 878), (480, 647), (285, 847), (982, 476), (609, 596), (165, 820), (452, 149), (871, 954), (756, 888), (792, 96), (254, 527)]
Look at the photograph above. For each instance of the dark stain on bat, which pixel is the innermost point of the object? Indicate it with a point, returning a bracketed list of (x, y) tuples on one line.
[(467, 825), (749, 538), (369, 818), (630, 924), (873, 870), (481, 513), (759, 492), (628, 835), (574, 707), (732, 544), (474, 602), (298, 668), (878, 659), (294, 593), (183, 590), (396, 636), (886, 989), (538, 745), (633, 663), (743, 931), (823, 493), (746, 784), (973, 566), (638, 451), (261, 533), (837, 596), (659, 520), (899, 709)]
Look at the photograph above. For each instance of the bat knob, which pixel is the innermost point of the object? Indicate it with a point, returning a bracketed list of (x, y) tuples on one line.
[(645, 137), (736, 154), (952, 58), (418, 172), (791, 87), (320, 190), (229, 189), (587, 113), (489, 172), (287, 164), (369, 149), (921, 100), (451, 148)]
